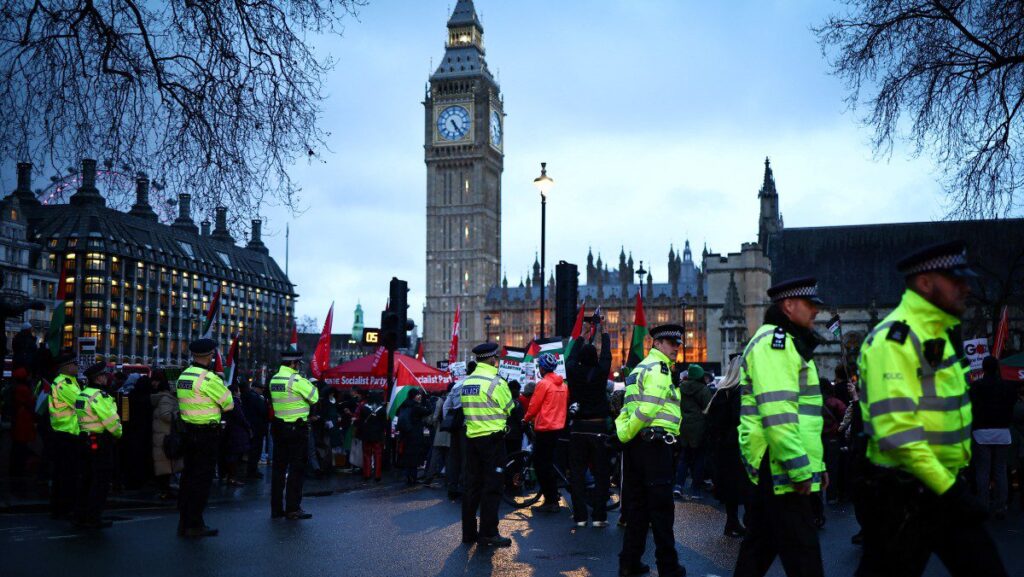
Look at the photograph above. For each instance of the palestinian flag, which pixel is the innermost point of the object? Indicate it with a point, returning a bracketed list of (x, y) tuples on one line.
[(293, 345), (55, 334), (636, 346), (398, 397), (539, 347), (231, 362), (212, 315), (514, 354), (835, 326), (577, 329)]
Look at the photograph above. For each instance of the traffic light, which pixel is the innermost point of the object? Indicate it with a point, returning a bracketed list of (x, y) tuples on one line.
[(399, 305), (566, 297), (389, 330)]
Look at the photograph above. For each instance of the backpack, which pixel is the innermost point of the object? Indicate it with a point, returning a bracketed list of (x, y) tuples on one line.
[(173, 442)]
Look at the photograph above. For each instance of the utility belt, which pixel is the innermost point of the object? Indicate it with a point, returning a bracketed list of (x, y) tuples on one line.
[(200, 428), (93, 441), (300, 425), (657, 435)]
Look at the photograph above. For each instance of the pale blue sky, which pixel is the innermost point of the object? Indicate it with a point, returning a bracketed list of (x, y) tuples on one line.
[(654, 117)]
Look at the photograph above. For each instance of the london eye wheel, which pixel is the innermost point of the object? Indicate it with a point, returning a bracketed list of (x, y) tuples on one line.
[(117, 188)]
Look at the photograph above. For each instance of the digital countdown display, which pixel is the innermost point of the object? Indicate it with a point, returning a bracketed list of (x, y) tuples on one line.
[(371, 337)]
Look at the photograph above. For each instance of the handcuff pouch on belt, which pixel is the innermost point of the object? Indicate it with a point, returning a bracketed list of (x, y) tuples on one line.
[(655, 434)]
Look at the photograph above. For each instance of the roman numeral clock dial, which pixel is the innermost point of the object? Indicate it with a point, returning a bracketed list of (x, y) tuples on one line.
[(453, 123)]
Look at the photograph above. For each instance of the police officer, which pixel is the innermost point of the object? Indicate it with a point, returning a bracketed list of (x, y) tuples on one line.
[(292, 397), (648, 426), (202, 397), (64, 443), (780, 435), (918, 417), (100, 425), (486, 405)]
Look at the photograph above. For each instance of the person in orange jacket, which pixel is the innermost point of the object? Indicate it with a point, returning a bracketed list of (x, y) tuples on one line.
[(547, 411)]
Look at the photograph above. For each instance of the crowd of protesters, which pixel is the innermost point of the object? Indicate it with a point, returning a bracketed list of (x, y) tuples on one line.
[(350, 433)]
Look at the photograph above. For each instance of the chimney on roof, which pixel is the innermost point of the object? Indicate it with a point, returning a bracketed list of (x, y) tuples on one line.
[(87, 193), (256, 242), (220, 226), (184, 220), (205, 230), (142, 208), (24, 190)]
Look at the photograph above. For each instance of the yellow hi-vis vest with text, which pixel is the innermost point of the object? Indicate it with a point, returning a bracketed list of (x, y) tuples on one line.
[(202, 396), (914, 393), (486, 401), (63, 394), (292, 395), (780, 411), (651, 399)]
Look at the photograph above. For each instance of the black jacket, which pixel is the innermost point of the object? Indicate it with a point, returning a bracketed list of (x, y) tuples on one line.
[(992, 401), (588, 383), (373, 422), (255, 408)]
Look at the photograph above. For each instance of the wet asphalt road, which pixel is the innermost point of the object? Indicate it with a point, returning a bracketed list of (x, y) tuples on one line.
[(388, 531)]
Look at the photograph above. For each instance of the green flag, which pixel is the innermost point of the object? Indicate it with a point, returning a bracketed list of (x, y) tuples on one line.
[(636, 346)]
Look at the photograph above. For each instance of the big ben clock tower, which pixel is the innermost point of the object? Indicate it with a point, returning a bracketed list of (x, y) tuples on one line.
[(463, 152)]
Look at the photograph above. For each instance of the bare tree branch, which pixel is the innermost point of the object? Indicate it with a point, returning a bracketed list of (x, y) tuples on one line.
[(216, 98), (947, 76)]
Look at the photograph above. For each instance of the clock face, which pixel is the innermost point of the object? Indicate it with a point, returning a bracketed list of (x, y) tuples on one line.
[(495, 129), (453, 123)]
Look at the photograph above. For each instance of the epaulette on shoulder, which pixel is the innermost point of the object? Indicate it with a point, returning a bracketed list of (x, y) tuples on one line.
[(664, 368), (898, 332), (779, 339)]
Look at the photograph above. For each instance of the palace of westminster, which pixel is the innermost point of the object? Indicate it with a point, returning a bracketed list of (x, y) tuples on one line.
[(720, 299)]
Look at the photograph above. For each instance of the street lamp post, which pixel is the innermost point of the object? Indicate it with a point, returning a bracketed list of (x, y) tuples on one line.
[(622, 343), (487, 326), (684, 331), (544, 183), (640, 273)]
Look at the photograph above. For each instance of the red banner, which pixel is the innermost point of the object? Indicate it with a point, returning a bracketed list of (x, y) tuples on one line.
[(453, 350), (1002, 332), (322, 355)]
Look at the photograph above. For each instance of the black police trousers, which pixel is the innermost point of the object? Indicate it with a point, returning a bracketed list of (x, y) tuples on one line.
[(65, 457), (291, 453), (647, 473), (484, 456), (589, 449), (96, 458), (779, 526), (904, 524), (200, 444)]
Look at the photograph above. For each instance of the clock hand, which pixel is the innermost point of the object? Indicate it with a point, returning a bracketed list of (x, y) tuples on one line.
[(455, 127)]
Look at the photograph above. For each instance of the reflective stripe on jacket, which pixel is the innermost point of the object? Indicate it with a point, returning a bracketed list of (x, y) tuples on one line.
[(486, 401), (63, 393), (97, 412), (914, 394), (780, 411), (202, 396), (651, 399), (292, 395)]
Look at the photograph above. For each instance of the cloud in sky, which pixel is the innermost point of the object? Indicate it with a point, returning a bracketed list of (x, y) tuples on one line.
[(655, 117)]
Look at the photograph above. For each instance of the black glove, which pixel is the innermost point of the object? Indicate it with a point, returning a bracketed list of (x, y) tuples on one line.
[(959, 503)]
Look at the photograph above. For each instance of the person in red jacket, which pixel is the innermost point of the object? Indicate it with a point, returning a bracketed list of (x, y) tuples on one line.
[(547, 410)]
